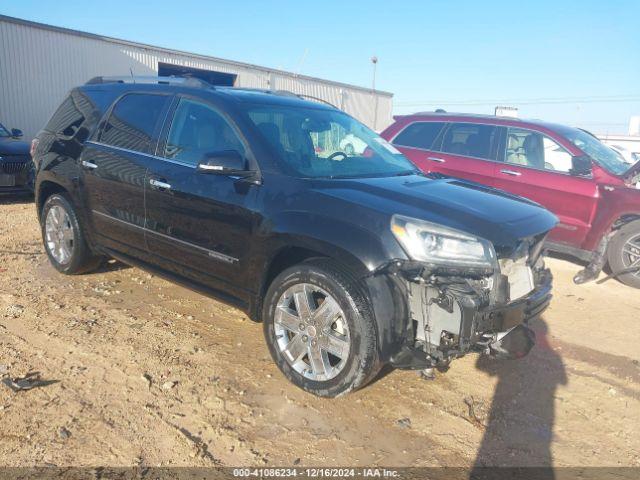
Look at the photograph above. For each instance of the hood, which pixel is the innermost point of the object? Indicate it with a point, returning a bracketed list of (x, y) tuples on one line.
[(482, 211), (11, 146)]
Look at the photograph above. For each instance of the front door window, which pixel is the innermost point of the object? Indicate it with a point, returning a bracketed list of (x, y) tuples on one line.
[(533, 149), (197, 130)]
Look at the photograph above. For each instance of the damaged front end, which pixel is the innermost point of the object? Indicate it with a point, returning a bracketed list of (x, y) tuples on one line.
[(451, 310)]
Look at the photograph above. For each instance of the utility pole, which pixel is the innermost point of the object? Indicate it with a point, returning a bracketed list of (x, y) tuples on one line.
[(374, 60)]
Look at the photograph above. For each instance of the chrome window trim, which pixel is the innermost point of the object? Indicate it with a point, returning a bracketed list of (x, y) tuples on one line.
[(447, 123), (168, 123), (99, 128), (557, 172), (211, 253), (144, 154), (497, 134), (506, 127)]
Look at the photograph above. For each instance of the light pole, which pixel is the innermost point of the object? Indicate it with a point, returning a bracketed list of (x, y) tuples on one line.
[(374, 60)]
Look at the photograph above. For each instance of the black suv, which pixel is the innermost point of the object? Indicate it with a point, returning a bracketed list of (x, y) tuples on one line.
[(351, 260), (16, 168)]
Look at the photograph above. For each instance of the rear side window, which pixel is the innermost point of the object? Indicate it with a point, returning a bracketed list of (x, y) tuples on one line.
[(67, 119), (471, 140), (80, 109), (420, 135), (133, 120)]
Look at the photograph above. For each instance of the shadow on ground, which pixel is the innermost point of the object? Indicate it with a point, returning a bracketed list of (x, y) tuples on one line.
[(16, 199), (519, 430)]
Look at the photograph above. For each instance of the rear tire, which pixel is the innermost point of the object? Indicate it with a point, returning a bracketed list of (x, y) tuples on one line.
[(624, 252), (64, 239), (344, 325)]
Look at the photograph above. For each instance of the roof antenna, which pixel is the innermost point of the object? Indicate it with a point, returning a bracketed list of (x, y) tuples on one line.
[(132, 77), (304, 57)]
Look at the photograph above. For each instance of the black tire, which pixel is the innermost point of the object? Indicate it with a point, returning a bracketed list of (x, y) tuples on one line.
[(362, 363), (619, 260), (82, 259)]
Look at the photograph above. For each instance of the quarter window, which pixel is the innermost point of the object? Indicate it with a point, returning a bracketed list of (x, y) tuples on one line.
[(196, 130), (419, 135), (533, 149), (133, 121), (471, 140)]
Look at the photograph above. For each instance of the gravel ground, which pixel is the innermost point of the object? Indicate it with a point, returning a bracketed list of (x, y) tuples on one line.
[(139, 371)]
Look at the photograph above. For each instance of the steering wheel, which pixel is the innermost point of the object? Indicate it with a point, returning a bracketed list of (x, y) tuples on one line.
[(334, 156)]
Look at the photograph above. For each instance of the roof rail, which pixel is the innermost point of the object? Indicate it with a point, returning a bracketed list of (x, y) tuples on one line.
[(148, 79), (285, 93), (281, 93), (311, 97), (429, 112)]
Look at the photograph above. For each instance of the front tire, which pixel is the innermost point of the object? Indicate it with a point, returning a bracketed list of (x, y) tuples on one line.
[(624, 253), (320, 330), (64, 239)]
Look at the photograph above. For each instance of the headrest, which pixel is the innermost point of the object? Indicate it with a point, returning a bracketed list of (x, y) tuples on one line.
[(531, 142)]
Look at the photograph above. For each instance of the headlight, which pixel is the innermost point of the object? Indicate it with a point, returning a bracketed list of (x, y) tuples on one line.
[(431, 243)]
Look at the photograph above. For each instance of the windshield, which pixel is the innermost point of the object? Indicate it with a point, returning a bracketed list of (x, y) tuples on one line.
[(605, 156), (322, 143), (4, 132)]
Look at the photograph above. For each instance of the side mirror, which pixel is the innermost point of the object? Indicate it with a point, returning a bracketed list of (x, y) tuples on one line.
[(581, 166), (16, 133), (225, 162)]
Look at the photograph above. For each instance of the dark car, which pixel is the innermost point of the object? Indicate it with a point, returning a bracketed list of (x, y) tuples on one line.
[(592, 190), (351, 261), (16, 168)]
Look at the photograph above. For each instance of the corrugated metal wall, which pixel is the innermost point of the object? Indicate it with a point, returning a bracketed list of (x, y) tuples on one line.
[(39, 64)]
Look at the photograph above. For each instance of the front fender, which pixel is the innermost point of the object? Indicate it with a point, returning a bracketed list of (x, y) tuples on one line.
[(359, 249), (615, 204)]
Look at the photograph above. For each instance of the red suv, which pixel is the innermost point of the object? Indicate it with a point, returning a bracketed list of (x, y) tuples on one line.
[(594, 193)]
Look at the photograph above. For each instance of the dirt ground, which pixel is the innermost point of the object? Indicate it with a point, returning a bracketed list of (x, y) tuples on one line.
[(148, 373)]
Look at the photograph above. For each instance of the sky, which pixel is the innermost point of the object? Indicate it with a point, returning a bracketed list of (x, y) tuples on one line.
[(573, 62)]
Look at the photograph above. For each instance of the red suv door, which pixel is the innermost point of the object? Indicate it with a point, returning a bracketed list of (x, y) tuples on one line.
[(458, 149), (537, 167)]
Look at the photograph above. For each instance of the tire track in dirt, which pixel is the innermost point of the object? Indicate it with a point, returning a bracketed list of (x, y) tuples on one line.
[(154, 374)]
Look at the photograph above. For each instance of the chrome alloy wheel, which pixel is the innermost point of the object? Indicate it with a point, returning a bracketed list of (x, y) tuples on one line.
[(631, 254), (311, 332), (59, 234)]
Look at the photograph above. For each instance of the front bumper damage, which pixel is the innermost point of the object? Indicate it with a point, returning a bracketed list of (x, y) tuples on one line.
[(451, 314)]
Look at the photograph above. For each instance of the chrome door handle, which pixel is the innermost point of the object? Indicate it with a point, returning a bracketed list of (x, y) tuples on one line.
[(513, 173), (159, 184), (89, 165), (436, 159)]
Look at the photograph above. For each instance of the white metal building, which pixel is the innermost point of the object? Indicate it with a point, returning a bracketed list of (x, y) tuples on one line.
[(39, 63)]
